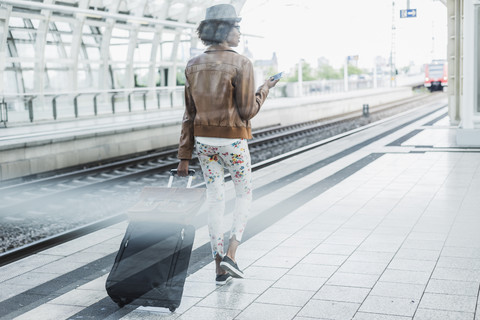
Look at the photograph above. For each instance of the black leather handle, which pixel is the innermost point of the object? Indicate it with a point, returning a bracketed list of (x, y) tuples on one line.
[(174, 172)]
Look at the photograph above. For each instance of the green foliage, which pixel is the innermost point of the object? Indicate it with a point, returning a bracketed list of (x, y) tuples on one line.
[(353, 70), (270, 72), (308, 74), (325, 71), (328, 72), (180, 76)]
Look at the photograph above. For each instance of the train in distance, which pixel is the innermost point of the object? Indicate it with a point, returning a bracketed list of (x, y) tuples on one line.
[(436, 75)]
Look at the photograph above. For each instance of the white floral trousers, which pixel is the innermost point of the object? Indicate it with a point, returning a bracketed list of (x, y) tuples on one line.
[(236, 158)]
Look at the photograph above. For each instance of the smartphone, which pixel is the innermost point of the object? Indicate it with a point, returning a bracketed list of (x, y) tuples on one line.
[(277, 76)]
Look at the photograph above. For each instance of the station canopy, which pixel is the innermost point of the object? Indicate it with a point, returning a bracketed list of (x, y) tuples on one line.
[(53, 46)]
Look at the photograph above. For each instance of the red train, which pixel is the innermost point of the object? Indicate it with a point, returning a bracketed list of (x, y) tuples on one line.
[(436, 75)]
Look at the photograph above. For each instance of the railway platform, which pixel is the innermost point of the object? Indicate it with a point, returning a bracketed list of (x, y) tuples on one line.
[(379, 223)]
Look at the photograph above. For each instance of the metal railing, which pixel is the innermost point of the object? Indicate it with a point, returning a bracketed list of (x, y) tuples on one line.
[(74, 104), (3, 113)]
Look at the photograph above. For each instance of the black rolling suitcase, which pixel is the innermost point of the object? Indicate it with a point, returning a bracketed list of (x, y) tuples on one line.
[(151, 265)]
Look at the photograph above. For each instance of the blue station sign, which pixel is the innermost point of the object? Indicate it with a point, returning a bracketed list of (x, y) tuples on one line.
[(408, 13)]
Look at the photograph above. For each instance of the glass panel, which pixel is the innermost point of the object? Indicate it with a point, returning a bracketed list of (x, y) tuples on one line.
[(10, 82), (16, 22), (120, 33), (35, 23), (84, 80), (141, 77), (58, 79), (63, 26), (89, 40), (93, 53), (119, 52), (66, 38), (86, 29), (25, 50), (51, 51), (95, 76), (28, 80), (167, 51), (50, 38), (142, 52), (119, 77), (21, 34)]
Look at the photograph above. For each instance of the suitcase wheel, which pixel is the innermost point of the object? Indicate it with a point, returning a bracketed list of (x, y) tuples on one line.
[(172, 308), (120, 304)]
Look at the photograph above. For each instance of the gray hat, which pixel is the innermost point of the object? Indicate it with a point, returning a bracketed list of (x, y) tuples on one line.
[(222, 12)]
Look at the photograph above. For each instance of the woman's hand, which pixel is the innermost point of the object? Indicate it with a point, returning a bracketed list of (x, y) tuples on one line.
[(182, 169), (271, 83)]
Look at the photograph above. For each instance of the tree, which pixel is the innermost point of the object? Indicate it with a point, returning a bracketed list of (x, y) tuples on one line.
[(307, 73), (326, 71), (353, 70)]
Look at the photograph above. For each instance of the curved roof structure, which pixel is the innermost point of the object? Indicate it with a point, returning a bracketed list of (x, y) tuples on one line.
[(52, 46)]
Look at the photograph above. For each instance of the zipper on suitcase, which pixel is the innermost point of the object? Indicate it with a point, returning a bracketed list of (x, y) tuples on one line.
[(176, 254), (120, 252)]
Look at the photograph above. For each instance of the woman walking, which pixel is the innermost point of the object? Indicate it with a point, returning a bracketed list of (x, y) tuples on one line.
[(220, 100)]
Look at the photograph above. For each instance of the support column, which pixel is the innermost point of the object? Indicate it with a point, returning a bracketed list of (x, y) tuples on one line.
[(132, 44), (138, 11), (40, 41), (4, 18), (152, 68), (104, 71), (172, 74), (454, 55), (75, 48), (468, 133)]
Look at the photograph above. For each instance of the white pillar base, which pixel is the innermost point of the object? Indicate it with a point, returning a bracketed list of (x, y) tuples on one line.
[(468, 137)]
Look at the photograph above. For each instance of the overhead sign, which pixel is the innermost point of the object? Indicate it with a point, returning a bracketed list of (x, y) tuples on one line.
[(408, 13), (352, 58)]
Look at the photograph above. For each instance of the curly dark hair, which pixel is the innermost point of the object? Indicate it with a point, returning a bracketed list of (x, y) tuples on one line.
[(214, 31)]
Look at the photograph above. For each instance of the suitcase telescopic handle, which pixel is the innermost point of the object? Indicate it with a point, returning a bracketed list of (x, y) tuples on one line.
[(174, 172)]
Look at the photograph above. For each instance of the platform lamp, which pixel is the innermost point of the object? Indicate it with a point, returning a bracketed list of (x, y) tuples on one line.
[(3, 112)]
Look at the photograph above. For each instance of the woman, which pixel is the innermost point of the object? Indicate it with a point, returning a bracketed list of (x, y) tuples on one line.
[(220, 100)]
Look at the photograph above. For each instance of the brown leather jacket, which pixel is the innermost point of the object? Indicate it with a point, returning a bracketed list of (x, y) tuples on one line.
[(220, 97)]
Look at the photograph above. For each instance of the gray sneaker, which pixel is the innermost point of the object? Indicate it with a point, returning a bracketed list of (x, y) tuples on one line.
[(231, 267), (221, 279)]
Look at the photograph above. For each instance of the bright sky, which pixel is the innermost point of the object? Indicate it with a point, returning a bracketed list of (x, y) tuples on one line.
[(334, 29)]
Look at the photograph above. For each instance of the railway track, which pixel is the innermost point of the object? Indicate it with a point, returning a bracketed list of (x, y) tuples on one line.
[(42, 213)]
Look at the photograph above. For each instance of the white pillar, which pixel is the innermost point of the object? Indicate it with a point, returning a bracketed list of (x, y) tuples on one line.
[(152, 67), (300, 78), (40, 41), (468, 65), (468, 133), (132, 44), (4, 18), (104, 72), (345, 75), (172, 73), (76, 44)]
